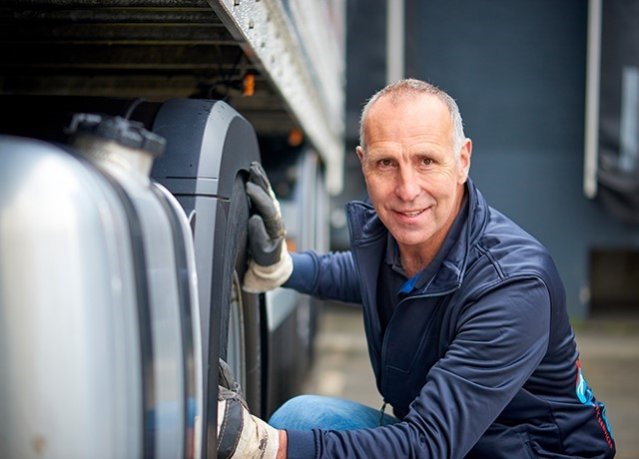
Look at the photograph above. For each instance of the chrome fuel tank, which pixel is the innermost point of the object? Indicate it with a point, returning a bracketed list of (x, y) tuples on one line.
[(69, 347), (99, 325)]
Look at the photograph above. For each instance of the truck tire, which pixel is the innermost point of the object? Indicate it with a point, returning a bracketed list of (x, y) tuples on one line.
[(209, 151), (239, 335)]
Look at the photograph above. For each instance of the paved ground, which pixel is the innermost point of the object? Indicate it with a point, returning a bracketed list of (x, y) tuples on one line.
[(609, 353)]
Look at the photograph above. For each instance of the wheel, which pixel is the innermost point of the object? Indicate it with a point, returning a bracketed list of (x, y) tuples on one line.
[(239, 336), (205, 167), (236, 350)]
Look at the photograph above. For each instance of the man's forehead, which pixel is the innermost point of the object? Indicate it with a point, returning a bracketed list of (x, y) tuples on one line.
[(415, 149), (421, 110), (424, 112)]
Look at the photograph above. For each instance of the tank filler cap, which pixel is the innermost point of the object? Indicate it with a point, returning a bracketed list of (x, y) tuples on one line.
[(125, 132)]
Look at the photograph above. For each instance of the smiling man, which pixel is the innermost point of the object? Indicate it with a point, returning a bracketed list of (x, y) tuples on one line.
[(464, 312), (415, 161)]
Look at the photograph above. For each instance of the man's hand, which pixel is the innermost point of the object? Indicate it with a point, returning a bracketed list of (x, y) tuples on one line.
[(240, 434), (270, 265)]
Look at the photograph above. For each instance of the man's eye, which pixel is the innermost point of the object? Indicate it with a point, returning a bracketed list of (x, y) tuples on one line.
[(426, 162), (385, 163)]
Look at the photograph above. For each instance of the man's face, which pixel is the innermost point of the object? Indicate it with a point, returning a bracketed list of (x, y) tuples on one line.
[(413, 178)]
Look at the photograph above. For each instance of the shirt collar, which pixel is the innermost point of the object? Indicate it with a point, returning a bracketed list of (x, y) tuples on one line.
[(423, 277)]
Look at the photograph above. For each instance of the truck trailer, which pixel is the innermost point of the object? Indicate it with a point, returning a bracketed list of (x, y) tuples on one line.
[(127, 129)]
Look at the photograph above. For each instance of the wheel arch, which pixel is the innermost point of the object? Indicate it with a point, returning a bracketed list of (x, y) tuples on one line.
[(209, 151)]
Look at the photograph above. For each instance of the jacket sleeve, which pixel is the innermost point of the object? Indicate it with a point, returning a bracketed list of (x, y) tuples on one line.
[(498, 342), (330, 276)]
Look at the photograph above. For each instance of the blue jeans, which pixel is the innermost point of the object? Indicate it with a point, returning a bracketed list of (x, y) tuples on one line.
[(307, 412)]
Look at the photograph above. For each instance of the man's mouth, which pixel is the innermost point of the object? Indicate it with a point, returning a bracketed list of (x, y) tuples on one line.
[(410, 213)]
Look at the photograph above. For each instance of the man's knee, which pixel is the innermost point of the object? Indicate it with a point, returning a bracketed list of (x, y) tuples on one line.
[(303, 401), (294, 412), (305, 412)]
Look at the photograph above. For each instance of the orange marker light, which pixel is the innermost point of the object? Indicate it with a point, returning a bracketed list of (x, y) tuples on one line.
[(295, 137), (248, 85), (291, 245)]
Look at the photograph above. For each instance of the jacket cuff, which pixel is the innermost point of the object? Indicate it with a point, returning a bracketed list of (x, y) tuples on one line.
[(303, 272), (301, 444)]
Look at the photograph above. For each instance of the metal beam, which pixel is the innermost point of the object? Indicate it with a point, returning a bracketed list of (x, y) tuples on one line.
[(395, 33), (314, 96), (591, 142)]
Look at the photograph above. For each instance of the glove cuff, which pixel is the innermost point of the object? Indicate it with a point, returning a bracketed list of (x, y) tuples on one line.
[(273, 439), (259, 279)]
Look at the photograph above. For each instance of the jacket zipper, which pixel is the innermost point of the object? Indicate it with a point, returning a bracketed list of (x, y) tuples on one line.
[(381, 413), (385, 341)]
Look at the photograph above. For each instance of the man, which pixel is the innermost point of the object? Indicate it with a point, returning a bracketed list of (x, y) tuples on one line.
[(464, 312)]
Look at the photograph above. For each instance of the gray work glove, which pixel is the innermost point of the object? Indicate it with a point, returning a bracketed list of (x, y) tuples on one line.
[(270, 264), (226, 379), (240, 434)]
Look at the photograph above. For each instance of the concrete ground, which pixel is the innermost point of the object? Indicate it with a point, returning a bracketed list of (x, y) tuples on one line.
[(609, 354)]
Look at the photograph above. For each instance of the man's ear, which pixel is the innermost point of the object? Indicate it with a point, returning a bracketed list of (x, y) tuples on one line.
[(360, 153), (464, 160)]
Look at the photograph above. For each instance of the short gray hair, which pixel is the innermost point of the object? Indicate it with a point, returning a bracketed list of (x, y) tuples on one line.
[(412, 86)]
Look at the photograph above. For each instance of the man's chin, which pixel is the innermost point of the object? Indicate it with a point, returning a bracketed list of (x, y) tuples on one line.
[(414, 238)]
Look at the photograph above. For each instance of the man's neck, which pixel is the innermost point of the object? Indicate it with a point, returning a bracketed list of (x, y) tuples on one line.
[(413, 261)]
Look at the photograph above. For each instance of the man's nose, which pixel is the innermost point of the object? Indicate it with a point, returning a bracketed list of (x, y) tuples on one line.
[(407, 186)]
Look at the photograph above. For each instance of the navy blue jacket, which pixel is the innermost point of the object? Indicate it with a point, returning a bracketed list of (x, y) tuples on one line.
[(480, 362)]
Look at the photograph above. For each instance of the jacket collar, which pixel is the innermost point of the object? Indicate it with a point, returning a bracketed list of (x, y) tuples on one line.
[(368, 239)]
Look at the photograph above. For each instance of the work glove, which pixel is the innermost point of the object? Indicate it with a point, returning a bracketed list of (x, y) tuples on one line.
[(226, 379), (270, 264), (240, 434)]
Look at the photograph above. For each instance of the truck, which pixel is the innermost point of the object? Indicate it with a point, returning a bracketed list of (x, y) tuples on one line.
[(127, 130)]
